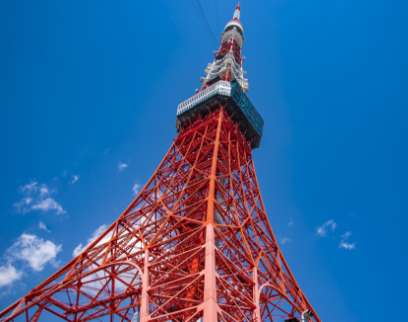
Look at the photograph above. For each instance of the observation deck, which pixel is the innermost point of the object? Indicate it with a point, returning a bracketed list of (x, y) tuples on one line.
[(235, 102)]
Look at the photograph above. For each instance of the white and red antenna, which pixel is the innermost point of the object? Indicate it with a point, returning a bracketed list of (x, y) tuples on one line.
[(237, 12)]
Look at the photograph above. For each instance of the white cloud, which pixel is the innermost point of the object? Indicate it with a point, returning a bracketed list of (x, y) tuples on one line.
[(345, 243), (9, 274), (28, 250), (44, 191), (74, 179), (325, 228), (35, 251), (291, 222), (48, 204), (30, 186), (80, 247), (135, 189), (38, 197), (43, 226), (122, 166), (347, 246)]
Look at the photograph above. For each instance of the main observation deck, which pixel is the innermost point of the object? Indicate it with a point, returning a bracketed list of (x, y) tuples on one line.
[(233, 99)]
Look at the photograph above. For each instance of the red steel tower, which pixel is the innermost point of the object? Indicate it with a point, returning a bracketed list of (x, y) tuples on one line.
[(196, 243)]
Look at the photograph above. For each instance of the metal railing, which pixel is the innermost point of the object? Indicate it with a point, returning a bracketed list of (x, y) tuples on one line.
[(219, 88)]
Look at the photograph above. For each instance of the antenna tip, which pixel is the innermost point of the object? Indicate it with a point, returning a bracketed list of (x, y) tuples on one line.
[(237, 12)]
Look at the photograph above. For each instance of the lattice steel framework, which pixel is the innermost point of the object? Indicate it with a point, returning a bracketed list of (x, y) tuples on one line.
[(194, 245)]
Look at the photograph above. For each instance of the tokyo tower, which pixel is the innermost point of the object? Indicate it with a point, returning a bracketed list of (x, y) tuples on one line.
[(196, 243)]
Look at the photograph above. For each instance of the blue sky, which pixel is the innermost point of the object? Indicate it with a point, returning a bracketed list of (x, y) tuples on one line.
[(88, 92)]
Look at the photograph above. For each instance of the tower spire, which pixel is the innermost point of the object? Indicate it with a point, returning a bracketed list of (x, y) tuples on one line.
[(227, 63)]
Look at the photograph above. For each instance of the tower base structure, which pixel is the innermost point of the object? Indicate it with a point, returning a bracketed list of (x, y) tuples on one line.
[(194, 245)]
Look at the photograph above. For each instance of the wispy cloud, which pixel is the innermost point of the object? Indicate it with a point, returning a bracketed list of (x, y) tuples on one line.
[(48, 204), (327, 227), (9, 274), (80, 247), (291, 222), (34, 251), (345, 242), (38, 197), (347, 245), (122, 166), (74, 178), (136, 188), (43, 226)]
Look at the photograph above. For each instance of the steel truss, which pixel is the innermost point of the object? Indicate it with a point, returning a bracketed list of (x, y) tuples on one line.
[(194, 245)]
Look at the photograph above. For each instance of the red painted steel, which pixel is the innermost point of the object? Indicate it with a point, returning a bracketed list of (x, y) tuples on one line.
[(194, 245)]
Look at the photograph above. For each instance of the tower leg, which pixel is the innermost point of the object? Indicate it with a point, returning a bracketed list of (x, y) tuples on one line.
[(144, 303), (210, 291), (257, 311), (210, 287)]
